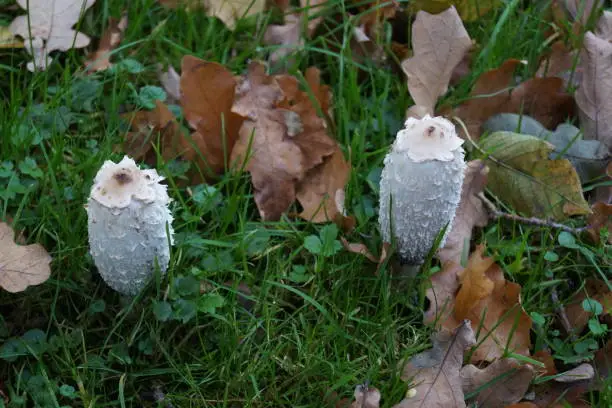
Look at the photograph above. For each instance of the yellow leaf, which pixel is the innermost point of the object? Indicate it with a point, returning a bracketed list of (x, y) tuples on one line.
[(475, 285)]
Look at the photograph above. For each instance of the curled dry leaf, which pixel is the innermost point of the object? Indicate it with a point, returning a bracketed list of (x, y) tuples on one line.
[(494, 92), (595, 92), (435, 372), (593, 289), (171, 81), (149, 127), (470, 213), (469, 10), (562, 63), (549, 363), (500, 384), (100, 60), (21, 265), (230, 11), (600, 218), (207, 96), (48, 27), (439, 43), (283, 142), (362, 249), (522, 175), (487, 300)]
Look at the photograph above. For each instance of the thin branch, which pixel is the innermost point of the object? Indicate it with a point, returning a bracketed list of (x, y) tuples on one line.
[(560, 309), (495, 213)]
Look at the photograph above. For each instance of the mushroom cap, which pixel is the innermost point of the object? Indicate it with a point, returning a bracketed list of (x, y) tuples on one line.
[(116, 184), (429, 138)]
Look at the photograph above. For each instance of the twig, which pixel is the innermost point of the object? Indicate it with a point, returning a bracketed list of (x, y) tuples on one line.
[(495, 213), (562, 315)]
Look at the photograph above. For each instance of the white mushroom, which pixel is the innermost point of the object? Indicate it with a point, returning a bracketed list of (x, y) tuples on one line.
[(129, 224), (420, 186)]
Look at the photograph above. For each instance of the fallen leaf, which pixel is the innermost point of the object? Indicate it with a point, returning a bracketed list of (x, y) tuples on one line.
[(495, 92), (366, 397), (582, 372), (589, 157), (21, 265), (282, 138), (601, 217), (439, 43), (147, 127), (470, 213), (435, 372), (321, 194), (230, 11), (8, 39), (544, 357), (207, 96), (100, 60), (562, 62), (522, 175), (503, 324), (593, 289), (475, 284), (171, 81), (500, 384), (523, 405), (603, 360), (595, 92), (362, 249), (469, 10), (48, 27), (298, 25)]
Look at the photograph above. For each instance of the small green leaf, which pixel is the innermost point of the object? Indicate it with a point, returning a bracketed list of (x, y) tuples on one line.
[(551, 256), (592, 306), (29, 167), (210, 302), (299, 274), (97, 307), (68, 391), (149, 94), (184, 310), (537, 318), (567, 240), (313, 244), (597, 328), (162, 310)]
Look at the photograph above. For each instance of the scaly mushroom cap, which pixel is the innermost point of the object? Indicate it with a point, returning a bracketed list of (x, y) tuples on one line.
[(420, 186), (128, 223)]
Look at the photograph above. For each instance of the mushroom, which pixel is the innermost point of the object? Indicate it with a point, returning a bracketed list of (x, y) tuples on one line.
[(129, 225), (420, 186)]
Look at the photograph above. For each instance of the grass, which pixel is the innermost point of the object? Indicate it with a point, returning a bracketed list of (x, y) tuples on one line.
[(87, 346)]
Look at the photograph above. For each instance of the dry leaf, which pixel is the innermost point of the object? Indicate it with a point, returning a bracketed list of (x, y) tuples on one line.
[(21, 265), (496, 314), (582, 372), (475, 285), (593, 289), (595, 93), (147, 127), (562, 63), (171, 81), (207, 95), (503, 382), (522, 175), (600, 218), (494, 92), (435, 372), (439, 43), (100, 60), (283, 138), (548, 361), (523, 405), (470, 213), (603, 360), (230, 11), (290, 35), (361, 249), (321, 194), (48, 27), (8, 39)]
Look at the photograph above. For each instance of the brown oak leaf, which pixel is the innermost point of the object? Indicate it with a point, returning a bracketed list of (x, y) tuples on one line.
[(599, 219), (593, 289), (207, 96), (439, 43), (503, 324), (111, 38), (507, 380)]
